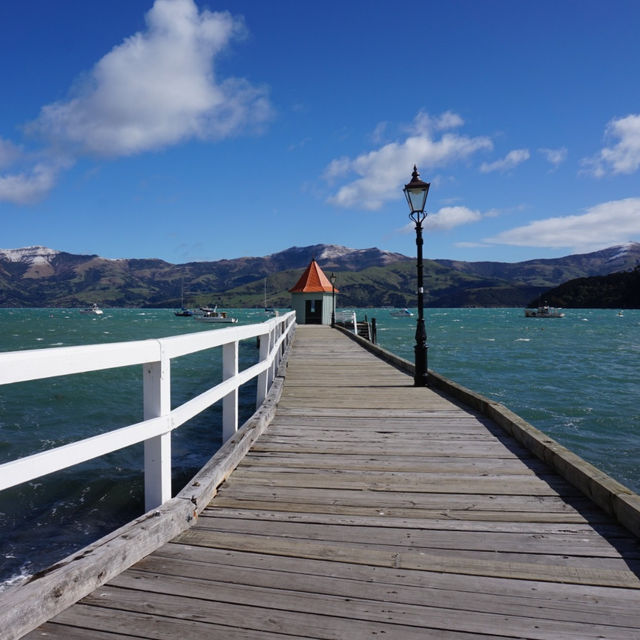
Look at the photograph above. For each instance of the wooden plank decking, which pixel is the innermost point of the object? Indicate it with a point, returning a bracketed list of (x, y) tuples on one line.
[(372, 509)]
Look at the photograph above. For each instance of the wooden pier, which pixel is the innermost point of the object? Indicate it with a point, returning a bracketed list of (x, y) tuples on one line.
[(373, 509)]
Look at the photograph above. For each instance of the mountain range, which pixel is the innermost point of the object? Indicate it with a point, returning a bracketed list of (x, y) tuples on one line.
[(41, 277)]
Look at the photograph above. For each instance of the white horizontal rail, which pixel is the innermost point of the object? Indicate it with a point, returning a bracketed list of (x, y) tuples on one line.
[(68, 455), (35, 364), (155, 356)]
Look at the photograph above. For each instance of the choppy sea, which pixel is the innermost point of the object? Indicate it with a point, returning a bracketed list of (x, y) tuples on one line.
[(576, 378)]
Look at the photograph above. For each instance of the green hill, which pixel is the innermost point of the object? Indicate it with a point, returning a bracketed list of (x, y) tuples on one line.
[(614, 291)]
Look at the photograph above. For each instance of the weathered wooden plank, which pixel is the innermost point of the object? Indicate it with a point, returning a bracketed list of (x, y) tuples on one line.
[(443, 448), (420, 464), (285, 412), (184, 591), (538, 593), (592, 544), (374, 519), (565, 517), (53, 631), (366, 474), (88, 622), (593, 571), (399, 436), (393, 419), (408, 483), (454, 595), (383, 499), (121, 602)]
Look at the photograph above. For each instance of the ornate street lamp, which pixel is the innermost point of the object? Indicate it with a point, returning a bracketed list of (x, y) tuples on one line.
[(416, 193), (332, 277)]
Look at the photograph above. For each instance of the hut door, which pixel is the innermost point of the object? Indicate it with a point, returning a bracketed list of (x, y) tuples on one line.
[(313, 311)]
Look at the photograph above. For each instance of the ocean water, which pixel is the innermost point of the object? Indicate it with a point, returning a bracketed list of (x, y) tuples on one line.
[(576, 378), (43, 521)]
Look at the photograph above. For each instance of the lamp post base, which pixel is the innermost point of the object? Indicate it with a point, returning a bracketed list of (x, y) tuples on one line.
[(420, 373)]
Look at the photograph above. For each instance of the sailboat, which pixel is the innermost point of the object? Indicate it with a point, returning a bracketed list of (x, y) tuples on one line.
[(268, 310), (184, 312)]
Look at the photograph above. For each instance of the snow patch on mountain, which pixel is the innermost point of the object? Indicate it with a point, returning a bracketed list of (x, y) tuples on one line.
[(621, 251), (332, 251), (29, 255)]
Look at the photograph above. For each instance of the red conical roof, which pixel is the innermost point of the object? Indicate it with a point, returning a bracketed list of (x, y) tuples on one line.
[(313, 280)]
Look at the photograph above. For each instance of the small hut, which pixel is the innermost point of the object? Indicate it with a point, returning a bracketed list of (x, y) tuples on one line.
[(313, 296)]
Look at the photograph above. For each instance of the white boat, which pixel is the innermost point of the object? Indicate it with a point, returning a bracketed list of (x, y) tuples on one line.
[(213, 315), (545, 311), (402, 313), (93, 309)]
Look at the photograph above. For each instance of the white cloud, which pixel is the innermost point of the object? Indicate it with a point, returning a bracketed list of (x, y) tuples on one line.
[(9, 153), (622, 157), (157, 88), (383, 171), (510, 161), (447, 218), (469, 245), (554, 156), (30, 186), (603, 225), (426, 124), (379, 133), (450, 217)]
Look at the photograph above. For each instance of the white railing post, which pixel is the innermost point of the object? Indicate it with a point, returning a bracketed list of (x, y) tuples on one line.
[(273, 336), (263, 378), (230, 401), (157, 450), (276, 364)]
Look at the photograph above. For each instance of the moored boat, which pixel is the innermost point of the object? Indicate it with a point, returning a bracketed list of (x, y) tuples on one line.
[(183, 311), (213, 315), (545, 311), (93, 309), (402, 313)]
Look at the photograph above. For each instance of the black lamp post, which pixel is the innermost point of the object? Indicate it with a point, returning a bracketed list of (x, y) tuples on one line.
[(332, 277), (416, 193)]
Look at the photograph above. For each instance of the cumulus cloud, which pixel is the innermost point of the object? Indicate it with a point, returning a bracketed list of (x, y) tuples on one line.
[(9, 153), (554, 156), (510, 161), (603, 225), (447, 218), (621, 157), (450, 217), (29, 186), (157, 88), (382, 172)]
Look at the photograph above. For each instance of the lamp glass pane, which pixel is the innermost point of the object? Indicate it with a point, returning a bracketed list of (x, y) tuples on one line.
[(416, 198)]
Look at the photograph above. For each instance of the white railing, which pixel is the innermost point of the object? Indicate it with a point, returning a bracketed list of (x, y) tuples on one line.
[(346, 318), (159, 421)]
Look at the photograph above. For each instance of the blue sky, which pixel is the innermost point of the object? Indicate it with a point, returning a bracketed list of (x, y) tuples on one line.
[(191, 130)]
